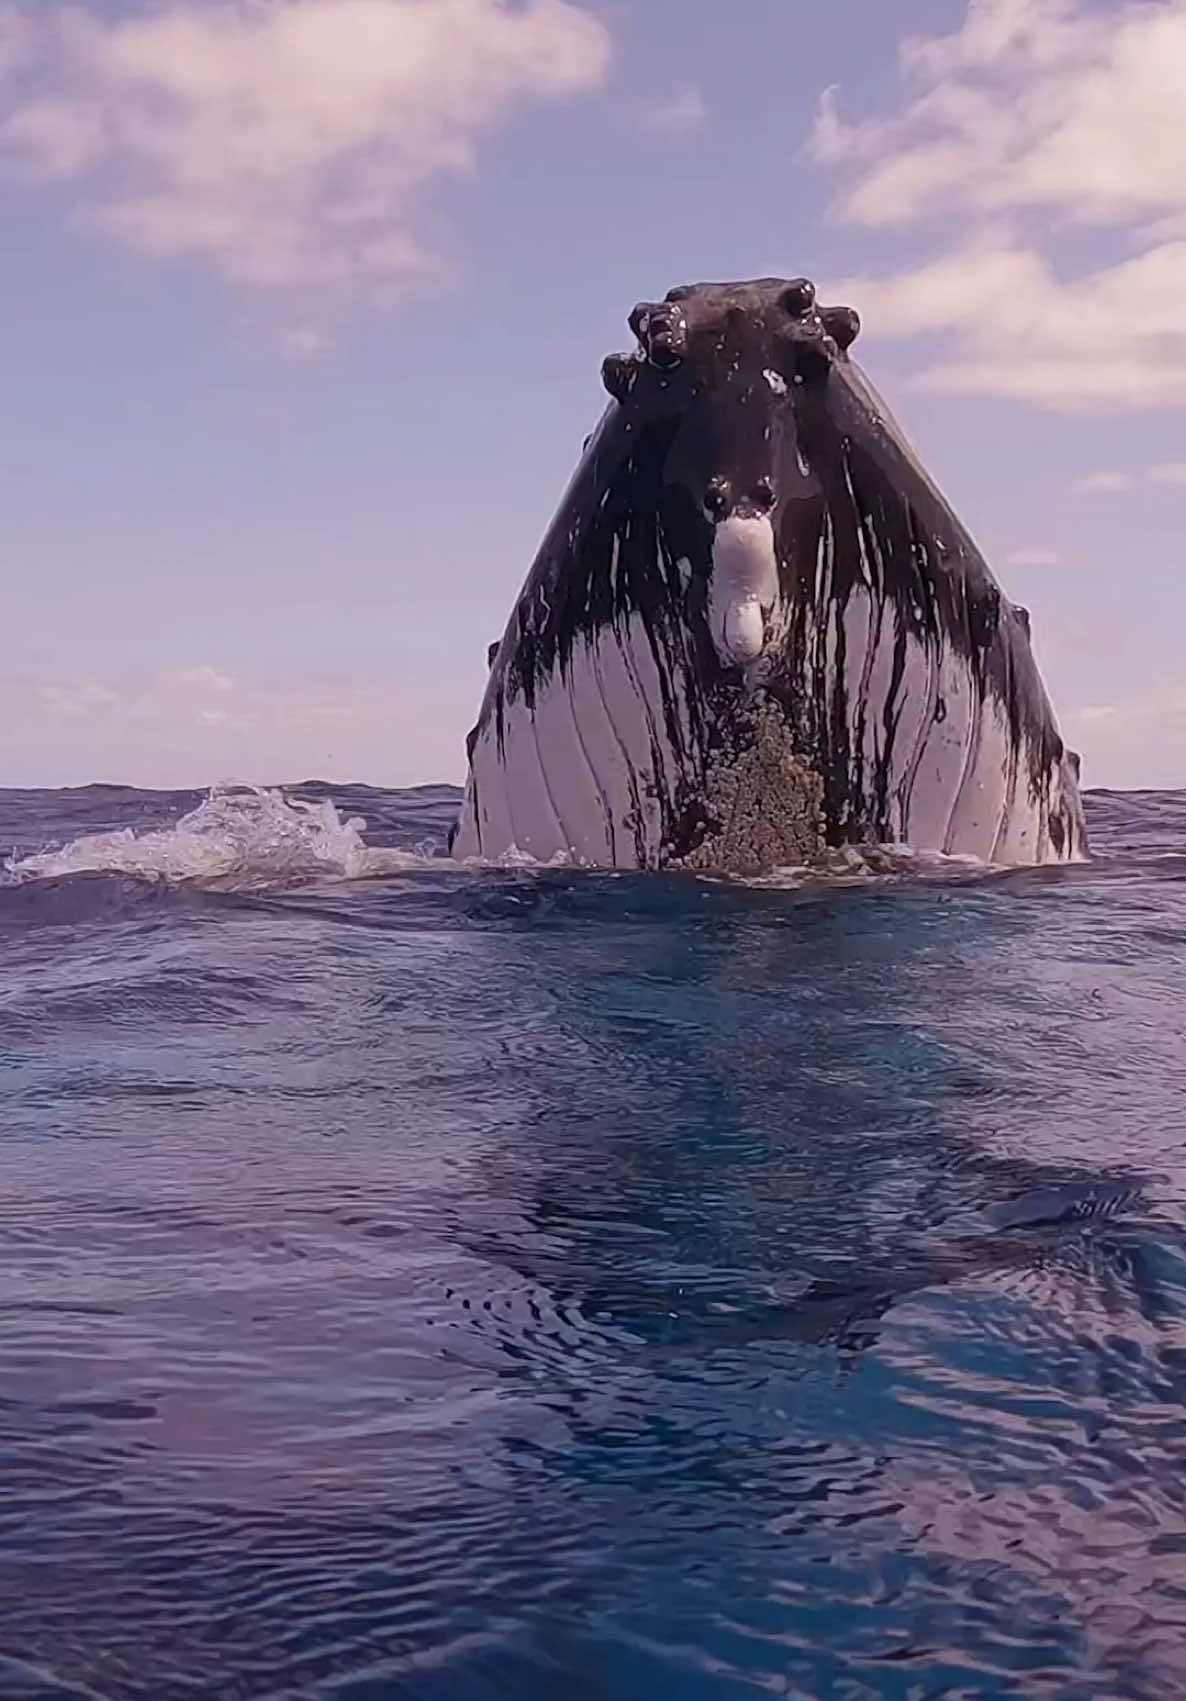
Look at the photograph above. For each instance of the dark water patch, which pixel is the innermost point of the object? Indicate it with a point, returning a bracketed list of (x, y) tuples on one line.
[(80, 899)]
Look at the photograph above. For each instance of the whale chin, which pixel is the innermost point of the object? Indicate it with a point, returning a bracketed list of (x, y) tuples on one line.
[(756, 630), (743, 588)]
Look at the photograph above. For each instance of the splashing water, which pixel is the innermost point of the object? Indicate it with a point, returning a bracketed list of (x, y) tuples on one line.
[(250, 837), (246, 836)]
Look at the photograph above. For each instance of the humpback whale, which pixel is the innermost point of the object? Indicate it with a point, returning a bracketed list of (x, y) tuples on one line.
[(755, 628)]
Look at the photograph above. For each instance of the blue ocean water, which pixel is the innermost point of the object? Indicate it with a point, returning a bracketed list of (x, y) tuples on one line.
[(421, 1284)]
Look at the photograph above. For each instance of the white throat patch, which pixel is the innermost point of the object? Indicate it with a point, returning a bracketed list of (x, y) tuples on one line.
[(743, 590)]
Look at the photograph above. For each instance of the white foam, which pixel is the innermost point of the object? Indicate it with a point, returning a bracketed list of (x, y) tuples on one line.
[(849, 865), (238, 836)]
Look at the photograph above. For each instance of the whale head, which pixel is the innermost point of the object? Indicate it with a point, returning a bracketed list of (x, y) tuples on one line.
[(721, 375)]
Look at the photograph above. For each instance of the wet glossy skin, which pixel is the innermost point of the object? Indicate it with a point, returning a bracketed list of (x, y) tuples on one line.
[(749, 532), (722, 361)]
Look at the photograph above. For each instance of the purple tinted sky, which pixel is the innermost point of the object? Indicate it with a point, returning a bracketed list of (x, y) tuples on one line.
[(266, 530)]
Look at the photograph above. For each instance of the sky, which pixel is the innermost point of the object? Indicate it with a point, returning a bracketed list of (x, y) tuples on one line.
[(306, 302)]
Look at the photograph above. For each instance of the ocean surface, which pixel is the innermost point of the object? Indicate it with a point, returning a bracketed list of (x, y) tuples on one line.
[(436, 1284)]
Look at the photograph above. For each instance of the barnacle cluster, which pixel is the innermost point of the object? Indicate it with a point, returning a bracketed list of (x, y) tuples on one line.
[(762, 800)]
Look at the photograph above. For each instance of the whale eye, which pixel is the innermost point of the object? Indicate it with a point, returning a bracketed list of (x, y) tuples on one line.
[(842, 324), (812, 361), (716, 497), (798, 297)]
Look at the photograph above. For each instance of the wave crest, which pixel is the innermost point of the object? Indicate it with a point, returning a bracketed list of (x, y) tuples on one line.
[(240, 836)]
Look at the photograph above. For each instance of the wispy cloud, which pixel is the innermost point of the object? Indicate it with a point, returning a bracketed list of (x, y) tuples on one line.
[(1034, 558), (1034, 115), (1130, 740), (1158, 710), (74, 698), (303, 342), (281, 142), (155, 729), (220, 718), (1111, 481), (678, 116), (1104, 483), (202, 678)]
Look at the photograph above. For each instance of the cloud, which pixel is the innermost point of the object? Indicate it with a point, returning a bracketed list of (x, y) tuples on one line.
[(1034, 558), (1156, 710), (1095, 714), (1130, 741), (1104, 483), (678, 116), (303, 342), (1038, 105), (1034, 117), (141, 728), (77, 698), (200, 679), (280, 142), (1108, 482)]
